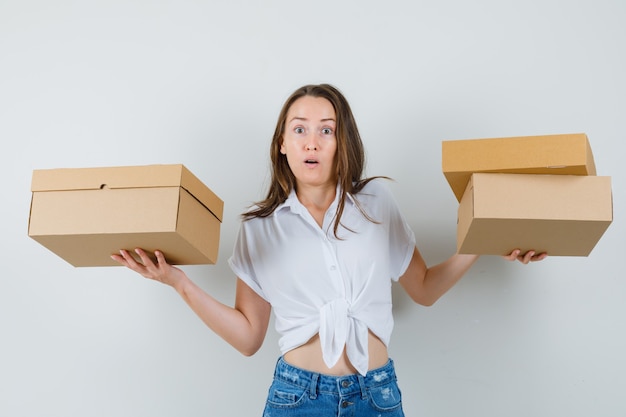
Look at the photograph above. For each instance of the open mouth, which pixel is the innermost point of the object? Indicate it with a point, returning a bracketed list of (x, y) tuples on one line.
[(311, 162)]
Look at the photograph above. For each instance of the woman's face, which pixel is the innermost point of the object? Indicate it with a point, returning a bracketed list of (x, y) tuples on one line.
[(309, 141)]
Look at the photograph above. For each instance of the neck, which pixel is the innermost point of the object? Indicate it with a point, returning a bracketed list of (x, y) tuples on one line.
[(316, 197), (317, 200)]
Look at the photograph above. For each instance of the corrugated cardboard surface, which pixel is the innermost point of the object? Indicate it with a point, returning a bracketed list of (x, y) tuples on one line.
[(563, 215), (147, 176), (567, 154), (85, 215)]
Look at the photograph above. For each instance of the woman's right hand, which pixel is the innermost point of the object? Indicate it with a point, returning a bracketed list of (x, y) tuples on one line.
[(159, 271)]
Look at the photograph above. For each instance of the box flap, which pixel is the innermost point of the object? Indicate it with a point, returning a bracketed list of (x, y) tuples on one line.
[(202, 193)]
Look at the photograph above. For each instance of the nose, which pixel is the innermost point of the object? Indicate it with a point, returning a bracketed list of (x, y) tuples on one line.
[(311, 143)]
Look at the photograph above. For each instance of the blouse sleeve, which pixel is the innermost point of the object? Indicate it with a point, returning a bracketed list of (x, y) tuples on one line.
[(241, 263), (401, 236)]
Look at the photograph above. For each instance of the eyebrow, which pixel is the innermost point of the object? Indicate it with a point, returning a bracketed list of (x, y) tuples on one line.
[(330, 119)]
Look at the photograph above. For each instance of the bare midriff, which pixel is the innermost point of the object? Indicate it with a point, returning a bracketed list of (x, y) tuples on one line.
[(309, 357)]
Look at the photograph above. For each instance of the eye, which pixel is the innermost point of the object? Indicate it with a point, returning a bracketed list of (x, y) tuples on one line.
[(327, 131), (299, 130)]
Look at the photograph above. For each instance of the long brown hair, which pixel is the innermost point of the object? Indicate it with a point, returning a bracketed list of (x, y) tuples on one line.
[(350, 156)]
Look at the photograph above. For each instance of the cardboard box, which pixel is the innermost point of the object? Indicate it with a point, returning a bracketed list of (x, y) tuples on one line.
[(86, 214), (562, 215), (568, 154)]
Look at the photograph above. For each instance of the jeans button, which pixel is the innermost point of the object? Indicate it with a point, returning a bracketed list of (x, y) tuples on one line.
[(345, 383), (345, 404)]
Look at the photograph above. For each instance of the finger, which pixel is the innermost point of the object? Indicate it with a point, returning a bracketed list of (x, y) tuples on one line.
[(145, 259), (119, 259), (527, 257), (513, 255), (128, 259), (160, 258)]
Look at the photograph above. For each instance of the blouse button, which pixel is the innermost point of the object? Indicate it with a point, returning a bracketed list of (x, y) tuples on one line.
[(333, 267)]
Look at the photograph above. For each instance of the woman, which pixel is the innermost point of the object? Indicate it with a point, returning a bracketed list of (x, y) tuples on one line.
[(321, 251)]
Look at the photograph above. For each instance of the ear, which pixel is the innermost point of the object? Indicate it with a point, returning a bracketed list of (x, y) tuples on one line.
[(282, 147)]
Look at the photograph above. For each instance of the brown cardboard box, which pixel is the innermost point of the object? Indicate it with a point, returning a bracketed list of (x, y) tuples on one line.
[(563, 215), (86, 214), (568, 154)]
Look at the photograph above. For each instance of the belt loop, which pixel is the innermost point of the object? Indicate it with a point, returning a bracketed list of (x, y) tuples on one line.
[(362, 386), (313, 386)]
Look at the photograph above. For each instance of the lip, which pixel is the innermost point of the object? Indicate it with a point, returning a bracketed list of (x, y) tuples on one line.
[(311, 163)]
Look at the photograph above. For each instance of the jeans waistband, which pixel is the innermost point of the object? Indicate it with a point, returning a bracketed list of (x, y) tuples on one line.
[(340, 385)]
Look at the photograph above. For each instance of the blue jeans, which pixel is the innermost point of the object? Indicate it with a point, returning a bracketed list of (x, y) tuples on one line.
[(298, 392)]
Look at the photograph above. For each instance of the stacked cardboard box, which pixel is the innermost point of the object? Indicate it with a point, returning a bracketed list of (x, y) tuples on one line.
[(86, 214), (530, 192)]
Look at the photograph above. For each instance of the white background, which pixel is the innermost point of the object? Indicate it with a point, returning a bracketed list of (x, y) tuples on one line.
[(111, 82)]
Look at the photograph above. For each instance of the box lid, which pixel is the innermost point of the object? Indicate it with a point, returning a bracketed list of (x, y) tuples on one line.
[(564, 154), (172, 175)]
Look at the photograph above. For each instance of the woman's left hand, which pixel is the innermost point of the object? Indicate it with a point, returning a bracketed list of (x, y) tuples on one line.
[(525, 258)]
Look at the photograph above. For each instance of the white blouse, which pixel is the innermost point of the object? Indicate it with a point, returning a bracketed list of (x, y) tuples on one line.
[(317, 283)]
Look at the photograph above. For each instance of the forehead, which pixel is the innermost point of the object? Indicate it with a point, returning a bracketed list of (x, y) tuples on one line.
[(311, 108)]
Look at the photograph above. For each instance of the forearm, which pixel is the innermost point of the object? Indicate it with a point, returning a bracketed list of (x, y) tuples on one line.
[(229, 323), (442, 277), (426, 285)]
